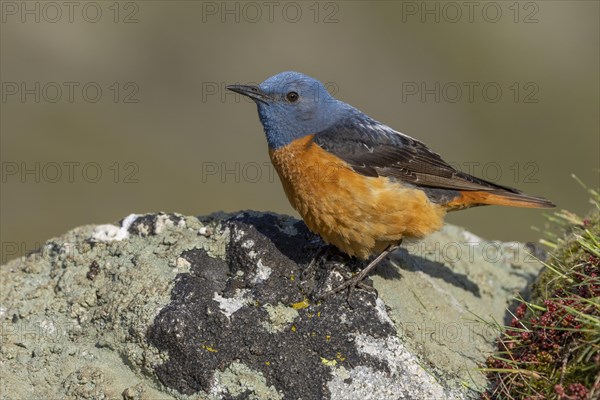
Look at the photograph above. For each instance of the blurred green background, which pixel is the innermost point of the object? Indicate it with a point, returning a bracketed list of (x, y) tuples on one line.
[(163, 136)]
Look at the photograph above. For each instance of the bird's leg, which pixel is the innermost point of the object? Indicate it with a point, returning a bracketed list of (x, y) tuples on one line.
[(356, 280), (322, 252)]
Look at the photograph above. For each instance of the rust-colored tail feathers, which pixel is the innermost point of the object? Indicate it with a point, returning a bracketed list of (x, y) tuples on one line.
[(498, 198)]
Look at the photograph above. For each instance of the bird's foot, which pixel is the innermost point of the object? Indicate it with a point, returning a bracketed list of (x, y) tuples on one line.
[(357, 280), (354, 282)]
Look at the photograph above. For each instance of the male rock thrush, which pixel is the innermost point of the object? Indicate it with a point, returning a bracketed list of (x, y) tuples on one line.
[(359, 184)]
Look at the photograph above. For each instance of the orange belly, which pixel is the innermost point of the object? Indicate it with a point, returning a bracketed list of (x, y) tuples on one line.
[(359, 215)]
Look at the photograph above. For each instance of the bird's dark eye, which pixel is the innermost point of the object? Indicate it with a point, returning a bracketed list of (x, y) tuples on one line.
[(292, 97)]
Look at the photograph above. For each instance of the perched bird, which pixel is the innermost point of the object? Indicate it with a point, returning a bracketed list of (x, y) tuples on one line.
[(356, 182)]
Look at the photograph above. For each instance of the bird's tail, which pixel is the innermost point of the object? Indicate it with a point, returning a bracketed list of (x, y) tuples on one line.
[(498, 198)]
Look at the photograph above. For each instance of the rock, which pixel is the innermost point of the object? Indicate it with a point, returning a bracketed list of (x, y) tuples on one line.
[(168, 306)]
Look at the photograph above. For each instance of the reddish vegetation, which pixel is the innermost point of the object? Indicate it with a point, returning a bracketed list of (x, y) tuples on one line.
[(545, 343)]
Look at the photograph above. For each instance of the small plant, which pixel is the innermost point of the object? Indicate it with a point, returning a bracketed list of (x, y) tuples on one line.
[(551, 350)]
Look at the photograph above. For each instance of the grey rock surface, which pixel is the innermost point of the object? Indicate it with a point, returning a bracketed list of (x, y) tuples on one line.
[(166, 306)]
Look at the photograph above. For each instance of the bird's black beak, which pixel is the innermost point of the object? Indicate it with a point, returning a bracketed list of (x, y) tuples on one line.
[(251, 91)]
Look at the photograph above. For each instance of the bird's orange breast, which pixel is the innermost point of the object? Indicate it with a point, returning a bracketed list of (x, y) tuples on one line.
[(360, 215)]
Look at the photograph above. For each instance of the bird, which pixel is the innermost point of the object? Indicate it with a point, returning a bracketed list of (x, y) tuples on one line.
[(360, 185)]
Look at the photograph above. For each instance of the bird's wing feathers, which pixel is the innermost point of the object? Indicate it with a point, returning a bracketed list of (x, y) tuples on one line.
[(373, 149)]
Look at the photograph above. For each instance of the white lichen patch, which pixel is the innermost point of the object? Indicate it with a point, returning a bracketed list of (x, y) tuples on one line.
[(205, 231), (109, 232), (382, 313), (407, 377), (239, 234), (182, 264), (262, 272), (248, 244), (230, 305), (163, 222), (366, 383)]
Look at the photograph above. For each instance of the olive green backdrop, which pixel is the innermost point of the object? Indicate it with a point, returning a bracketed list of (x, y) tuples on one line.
[(110, 108)]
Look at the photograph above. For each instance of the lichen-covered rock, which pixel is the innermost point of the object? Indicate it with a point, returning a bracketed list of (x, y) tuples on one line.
[(167, 306)]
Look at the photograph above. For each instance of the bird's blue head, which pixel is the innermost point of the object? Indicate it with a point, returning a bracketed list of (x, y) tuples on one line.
[(292, 105)]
